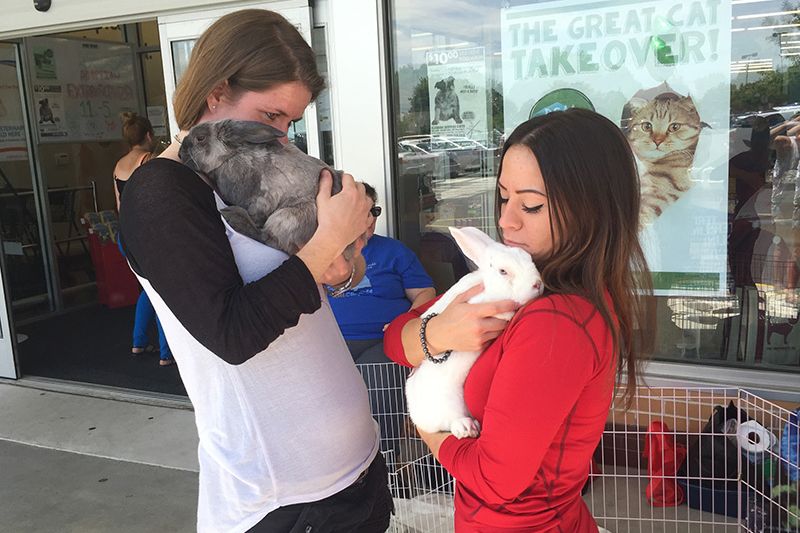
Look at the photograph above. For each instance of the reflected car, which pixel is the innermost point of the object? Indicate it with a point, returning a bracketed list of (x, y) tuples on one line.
[(742, 127), (465, 157), (486, 150), (415, 159)]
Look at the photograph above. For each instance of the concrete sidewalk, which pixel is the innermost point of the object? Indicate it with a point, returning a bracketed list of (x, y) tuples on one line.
[(44, 490), (73, 463)]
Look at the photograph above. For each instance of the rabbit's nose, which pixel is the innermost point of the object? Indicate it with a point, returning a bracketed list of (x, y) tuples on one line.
[(537, 285)]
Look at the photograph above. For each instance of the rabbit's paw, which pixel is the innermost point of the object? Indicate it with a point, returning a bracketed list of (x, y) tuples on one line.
[(465, 427)]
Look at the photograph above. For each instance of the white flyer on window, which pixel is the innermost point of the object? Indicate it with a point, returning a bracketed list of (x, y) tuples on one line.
[(457, 91)]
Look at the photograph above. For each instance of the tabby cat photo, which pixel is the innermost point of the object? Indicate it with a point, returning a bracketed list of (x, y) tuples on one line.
[(663, 134)]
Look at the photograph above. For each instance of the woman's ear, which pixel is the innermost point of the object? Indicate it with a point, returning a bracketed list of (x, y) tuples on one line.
[(472, 241), (218, 95)]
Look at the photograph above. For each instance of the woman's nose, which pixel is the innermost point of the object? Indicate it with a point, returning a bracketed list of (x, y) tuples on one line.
[(507, 221)]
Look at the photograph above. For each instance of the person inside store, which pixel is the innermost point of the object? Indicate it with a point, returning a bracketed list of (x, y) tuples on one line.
[(286, 438), (138, 133), (748, 169), (387, 280), (756, 252), (542, 387)]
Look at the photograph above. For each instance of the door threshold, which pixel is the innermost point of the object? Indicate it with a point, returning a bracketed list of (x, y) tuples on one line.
[(105, 392)]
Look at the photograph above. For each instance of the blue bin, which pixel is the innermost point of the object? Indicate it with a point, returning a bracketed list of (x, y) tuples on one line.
[(718, 500)]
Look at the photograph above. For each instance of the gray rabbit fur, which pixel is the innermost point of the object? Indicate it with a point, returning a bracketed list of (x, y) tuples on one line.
[(270, 188)]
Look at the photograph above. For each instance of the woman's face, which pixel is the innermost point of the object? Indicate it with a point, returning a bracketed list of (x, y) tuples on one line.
[(524, 210), (277, 106)]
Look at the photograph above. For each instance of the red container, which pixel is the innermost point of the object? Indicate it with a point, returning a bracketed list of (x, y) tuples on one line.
[(116, 284)]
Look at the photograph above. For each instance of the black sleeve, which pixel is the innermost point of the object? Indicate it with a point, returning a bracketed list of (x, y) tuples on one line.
[(173, 236)]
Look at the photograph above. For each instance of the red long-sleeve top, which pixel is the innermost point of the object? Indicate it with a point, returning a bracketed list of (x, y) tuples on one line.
[(542, 392)]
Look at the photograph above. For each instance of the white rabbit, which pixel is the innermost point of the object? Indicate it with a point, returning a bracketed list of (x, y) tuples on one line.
[(435, 391)]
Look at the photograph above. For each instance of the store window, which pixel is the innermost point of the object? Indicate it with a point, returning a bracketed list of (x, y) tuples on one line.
[(724, 255), (80, 83)]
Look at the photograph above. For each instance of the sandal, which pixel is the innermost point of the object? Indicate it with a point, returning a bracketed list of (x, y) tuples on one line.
[(138, 350)]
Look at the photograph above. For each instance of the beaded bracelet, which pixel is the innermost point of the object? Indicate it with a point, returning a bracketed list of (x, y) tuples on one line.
[(424, 342)]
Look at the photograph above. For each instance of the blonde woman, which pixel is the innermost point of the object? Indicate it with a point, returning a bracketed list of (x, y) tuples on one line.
[(287, 440)]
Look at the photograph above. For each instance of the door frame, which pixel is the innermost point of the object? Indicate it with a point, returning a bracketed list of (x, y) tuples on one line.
[(9, 362)]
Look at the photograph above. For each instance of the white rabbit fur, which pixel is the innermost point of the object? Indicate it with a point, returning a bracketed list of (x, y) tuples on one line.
[(435, 392)]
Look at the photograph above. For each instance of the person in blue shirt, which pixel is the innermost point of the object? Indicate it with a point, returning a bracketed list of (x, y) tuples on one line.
[(386, 280)]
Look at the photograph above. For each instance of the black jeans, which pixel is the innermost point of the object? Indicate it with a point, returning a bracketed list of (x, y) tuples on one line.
[(364, 507)]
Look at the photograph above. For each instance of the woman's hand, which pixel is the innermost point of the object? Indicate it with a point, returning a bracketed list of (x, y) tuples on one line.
[(344, 216), (467, 327), (338, 273), (341, 219), (462, 326), (433, 440)]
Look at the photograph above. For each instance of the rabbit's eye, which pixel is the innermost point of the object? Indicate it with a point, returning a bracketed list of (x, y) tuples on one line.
[(200, 138), (503, 272)]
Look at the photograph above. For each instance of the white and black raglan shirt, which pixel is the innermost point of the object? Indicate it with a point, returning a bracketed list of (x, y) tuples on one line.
[(282, 413)]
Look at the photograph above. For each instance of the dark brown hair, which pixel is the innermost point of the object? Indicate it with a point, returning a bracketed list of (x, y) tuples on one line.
[(135, 128), (593, 194), (250, 50)]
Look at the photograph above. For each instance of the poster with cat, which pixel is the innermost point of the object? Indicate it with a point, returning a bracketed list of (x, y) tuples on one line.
[(661, 70), (457, 92)]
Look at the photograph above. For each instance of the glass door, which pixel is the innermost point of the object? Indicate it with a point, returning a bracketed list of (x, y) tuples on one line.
[(180, 32), (23, 262)]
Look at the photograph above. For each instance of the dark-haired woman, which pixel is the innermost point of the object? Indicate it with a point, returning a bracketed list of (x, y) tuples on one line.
[(138, 133), (542, 387)]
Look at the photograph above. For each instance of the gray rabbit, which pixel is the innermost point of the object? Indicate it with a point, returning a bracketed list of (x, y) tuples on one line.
[(270, 187)]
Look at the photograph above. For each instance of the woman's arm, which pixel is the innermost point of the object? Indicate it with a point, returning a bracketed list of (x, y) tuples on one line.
[(434, 440), (418, 297), (116, 192), (342, 218), (174, 237), (461, 326)]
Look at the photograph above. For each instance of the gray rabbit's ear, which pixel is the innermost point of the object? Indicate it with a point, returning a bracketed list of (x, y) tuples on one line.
[(251, 132), (472, 241)]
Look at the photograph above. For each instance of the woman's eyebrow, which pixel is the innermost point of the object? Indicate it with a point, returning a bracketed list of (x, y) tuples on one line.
[(535, 191), (522, 191)]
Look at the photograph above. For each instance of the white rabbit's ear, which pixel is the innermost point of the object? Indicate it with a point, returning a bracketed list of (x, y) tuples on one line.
[(472, 241)]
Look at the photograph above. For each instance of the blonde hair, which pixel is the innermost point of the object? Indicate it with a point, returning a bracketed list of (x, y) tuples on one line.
[(135, 128), (250, 50)]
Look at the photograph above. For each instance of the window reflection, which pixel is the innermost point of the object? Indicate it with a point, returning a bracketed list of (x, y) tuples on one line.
[(747, 243)]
